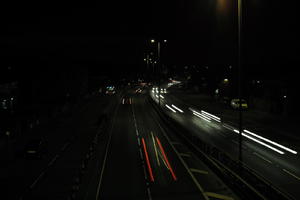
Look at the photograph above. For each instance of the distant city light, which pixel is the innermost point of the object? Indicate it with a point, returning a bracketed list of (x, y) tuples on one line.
[(152, 41)]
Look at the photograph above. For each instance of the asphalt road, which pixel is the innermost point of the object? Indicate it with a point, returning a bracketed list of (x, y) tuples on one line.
[(282, 170), (146, 161), (51, 177)]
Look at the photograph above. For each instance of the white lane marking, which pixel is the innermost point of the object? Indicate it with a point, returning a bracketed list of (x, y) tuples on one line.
[(105, 155), (263, 158), (270, 141), (141, 154), (199, 171), (139, 142), (218, 196), (262, 143), (155, 149), (184, 155), (290, 173), (37, 179), (65, 146), (53, 160), (149, 193)]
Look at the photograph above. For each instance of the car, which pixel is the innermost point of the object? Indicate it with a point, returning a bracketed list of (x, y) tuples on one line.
[(126, 100), (138, 91), (110, 90), (36, 148), (235, 104)]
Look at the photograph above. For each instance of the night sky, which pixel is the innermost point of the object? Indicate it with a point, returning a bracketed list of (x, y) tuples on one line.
[(112, 37)]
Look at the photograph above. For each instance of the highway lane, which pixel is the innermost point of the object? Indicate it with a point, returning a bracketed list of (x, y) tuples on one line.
[(279, 169), (143, 164), (123, 176), (64, 166), (24, 174)]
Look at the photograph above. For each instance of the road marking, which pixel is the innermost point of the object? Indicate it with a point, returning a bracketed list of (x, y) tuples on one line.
[(184, 154), (142, 157), (53, 160), (141, 154), (184, 164), (149, 193), (290, 173), (37, 179), (105, 155), (198, 171), (260, 156), (139, 142), (65, 146), (155, 149), (218, 196)]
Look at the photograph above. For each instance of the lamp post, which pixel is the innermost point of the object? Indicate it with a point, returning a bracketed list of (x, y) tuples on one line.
[(240, 8), (158, 64)]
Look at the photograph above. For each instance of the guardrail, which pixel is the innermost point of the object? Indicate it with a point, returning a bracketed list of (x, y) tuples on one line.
[(237, 175)]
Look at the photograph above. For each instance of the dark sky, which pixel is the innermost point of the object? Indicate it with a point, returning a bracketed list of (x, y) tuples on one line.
[(112, 36)]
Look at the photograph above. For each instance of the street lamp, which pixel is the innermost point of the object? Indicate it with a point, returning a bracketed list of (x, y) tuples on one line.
[(240, 8), (158, 64)]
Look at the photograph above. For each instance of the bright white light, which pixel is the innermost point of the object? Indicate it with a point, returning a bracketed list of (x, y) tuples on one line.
[(156, 96), (123, 101), (218, 119), (270, 141), (262, 143), (161, 96), (171, 108), (201, 117), (177, 108)]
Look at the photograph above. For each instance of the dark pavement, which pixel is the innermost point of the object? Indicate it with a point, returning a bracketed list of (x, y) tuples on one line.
[(282, 170)]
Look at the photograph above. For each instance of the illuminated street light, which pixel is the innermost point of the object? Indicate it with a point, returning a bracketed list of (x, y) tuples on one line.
[(152, 41)]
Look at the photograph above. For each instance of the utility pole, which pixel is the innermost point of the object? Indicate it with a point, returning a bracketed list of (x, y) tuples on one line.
[(240, 8), (159, 70)]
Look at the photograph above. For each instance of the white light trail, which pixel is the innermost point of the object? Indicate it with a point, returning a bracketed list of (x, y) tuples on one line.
[(270, 141), (201, 117), (218, 119), (262, 143), (161, 96), (177, 108), (171, 108)]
